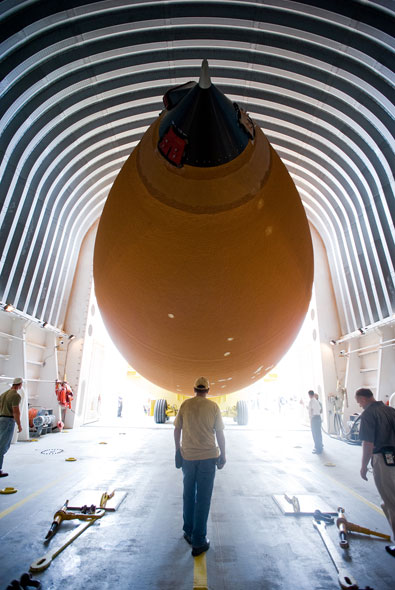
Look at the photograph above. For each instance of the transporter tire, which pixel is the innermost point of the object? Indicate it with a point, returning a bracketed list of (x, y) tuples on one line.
[(160, 411), (242, 413)]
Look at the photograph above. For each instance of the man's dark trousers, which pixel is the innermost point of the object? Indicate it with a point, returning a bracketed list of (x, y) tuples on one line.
[(198, 487)]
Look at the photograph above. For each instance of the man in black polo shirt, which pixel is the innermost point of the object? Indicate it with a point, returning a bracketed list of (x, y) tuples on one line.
[(377, 432)]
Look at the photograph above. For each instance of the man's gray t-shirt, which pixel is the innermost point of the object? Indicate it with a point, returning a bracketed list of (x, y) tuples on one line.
[(378, 426)]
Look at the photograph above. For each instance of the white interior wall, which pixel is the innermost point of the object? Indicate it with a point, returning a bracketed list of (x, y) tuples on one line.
[(28, 350), (91, 368), (79, 350), (327, 327)]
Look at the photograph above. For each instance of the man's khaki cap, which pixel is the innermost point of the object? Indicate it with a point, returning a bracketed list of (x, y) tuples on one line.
[(202, 383), (18, 381)]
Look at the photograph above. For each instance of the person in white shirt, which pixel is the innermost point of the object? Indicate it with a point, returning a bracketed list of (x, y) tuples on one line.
[(315, 422)]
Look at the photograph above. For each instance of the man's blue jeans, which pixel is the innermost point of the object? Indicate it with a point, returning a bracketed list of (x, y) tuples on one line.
[(198, 487), (7, 427)]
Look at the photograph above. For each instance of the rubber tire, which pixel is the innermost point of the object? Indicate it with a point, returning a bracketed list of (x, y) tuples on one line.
[(160, 411), (242, 413)]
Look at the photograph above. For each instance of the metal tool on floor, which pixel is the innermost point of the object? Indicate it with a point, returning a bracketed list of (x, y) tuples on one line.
[(302, 504), (294, 501), (45, 561), (341, 523), (24, 583), (323, 517), (84, 513), (345, 526), (345, 579), (57, 520)]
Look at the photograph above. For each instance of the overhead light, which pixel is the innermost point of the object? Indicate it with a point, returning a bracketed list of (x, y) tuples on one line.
[(362, 330), (45, 324), (9, 307)]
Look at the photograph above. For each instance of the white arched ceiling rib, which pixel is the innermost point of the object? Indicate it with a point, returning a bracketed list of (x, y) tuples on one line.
[(328, 196), (342, 237), (61, 156), (78, 193), (334, 239), (372, 170), (56, 196), (353, 215), (361, 208), (371, 93), (54, 122), (357, 211), (341, 219), (57, 49), (338, 116), (150, 27), (59, 303), (89, 179), (63, 175), (224, 31), (319, 218), (52, 302), (57, 263)]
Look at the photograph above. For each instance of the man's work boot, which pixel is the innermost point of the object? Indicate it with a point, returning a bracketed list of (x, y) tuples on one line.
[(199, 550)]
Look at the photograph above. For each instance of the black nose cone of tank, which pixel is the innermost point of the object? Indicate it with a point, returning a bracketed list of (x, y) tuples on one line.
[(203, 126)]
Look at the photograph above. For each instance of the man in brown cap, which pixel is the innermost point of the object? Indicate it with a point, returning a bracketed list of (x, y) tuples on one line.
[(200, 422), (9, 414)]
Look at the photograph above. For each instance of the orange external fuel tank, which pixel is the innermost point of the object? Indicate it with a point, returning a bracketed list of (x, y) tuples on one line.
[(203, 259)]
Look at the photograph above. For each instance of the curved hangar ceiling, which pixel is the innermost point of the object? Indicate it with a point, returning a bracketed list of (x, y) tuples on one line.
[(83, 81)]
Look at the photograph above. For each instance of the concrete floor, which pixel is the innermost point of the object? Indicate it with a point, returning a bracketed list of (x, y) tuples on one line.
[(140, 546)]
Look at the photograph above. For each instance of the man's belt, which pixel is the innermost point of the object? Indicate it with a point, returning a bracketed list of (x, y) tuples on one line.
[(3, 416), (383, 450)]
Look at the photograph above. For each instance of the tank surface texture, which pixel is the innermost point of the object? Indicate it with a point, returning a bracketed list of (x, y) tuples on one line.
[(203, 259)]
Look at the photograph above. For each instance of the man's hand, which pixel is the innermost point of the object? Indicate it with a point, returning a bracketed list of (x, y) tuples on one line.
[(363, 473), (178, 459), (367, 452), (221, 462), (16, 412)]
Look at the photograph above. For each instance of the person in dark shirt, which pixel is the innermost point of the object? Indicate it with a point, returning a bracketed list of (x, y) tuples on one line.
[(377, 433)]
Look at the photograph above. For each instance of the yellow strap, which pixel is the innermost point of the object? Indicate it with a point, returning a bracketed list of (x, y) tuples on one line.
[(200, 573)]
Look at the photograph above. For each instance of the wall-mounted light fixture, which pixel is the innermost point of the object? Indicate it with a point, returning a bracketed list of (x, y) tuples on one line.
[(24, 316), (362, 330), (333, 342)]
